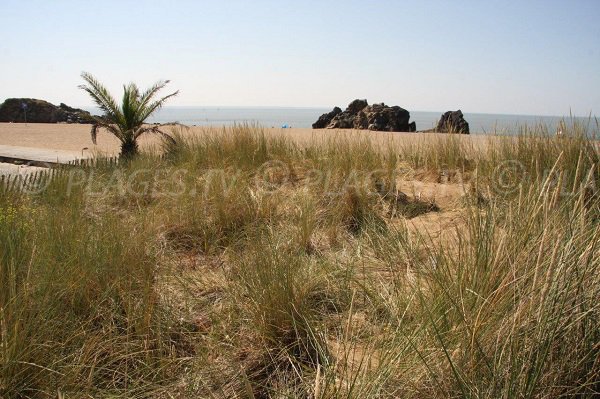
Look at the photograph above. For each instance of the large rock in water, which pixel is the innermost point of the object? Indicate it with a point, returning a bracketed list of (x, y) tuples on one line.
[(39, 111), (325, 119), (383, 118), (356, 106), (348, 118), (452, 122), (360, 115)]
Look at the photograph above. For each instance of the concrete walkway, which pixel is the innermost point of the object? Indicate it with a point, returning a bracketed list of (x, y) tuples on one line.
[(39, 156), (23, 170)]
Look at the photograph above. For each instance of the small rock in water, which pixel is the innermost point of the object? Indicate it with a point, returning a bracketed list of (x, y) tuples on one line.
[(453, 122)]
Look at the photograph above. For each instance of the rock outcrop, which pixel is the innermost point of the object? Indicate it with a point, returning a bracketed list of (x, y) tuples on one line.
[(380, 117), (39, 111), (360, 115), (452, 122), (325, 119)]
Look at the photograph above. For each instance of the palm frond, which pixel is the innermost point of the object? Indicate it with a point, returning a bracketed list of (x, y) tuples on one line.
[(150, 109), (101, 97), (151, 92), (94, 132), (156, 130), (130, 106), (112, 128)]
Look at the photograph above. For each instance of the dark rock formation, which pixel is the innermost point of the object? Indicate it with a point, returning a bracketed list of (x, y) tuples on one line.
[(356, 106), (346, 119), (383, 118), (453, 122), (325, 119), (40, 111), (360, 115)]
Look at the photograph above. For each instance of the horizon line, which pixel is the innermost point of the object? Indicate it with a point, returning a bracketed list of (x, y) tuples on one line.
[(590, 115)]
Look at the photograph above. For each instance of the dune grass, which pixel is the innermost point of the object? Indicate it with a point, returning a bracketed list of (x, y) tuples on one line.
[(237, 264)]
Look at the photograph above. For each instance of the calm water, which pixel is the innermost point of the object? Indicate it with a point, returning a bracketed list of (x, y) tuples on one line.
[(304, 117)]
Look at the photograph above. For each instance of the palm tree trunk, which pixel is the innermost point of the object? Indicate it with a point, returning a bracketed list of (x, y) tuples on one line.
[(129, 148)]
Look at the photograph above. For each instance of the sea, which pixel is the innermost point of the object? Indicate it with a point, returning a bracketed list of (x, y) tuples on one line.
[(304, 117)]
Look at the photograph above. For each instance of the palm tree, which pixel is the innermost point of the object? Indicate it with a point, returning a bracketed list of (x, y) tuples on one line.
[(127, 121)]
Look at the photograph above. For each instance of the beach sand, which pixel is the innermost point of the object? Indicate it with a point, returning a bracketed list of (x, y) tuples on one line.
[(75, 137)]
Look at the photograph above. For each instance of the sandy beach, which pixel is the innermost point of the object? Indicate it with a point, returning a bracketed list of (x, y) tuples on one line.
[(76, 137)]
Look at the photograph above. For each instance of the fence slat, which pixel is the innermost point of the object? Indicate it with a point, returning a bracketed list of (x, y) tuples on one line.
[(40, 178)]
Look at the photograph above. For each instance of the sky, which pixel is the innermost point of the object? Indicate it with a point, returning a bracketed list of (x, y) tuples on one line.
[(485, 56)]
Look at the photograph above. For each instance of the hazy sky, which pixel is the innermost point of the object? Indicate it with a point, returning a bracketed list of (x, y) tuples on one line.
[(525, 57)]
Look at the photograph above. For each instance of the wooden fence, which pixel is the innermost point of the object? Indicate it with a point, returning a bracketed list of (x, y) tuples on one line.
[(32, 182)]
